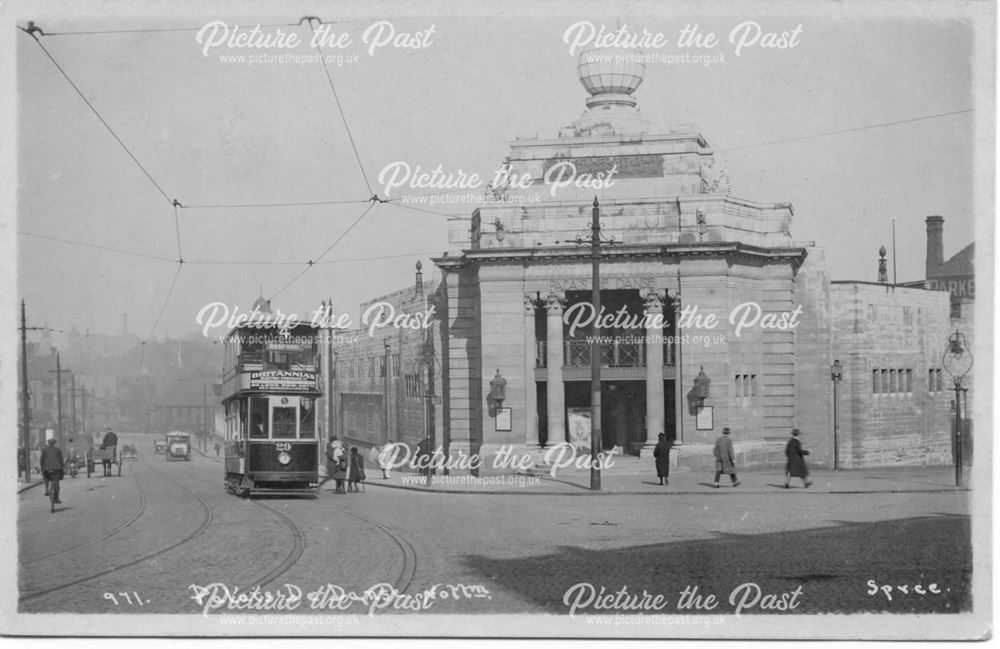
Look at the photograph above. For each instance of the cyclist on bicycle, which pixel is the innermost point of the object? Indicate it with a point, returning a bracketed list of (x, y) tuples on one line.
[(52, 468)]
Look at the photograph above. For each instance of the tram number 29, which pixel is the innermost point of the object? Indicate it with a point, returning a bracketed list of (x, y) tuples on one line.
[(283, 446)]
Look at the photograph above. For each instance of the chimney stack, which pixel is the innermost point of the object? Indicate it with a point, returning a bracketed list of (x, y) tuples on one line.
[(935, 245)]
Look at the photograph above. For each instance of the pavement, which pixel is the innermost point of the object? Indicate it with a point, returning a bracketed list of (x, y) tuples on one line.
[(633, 476)]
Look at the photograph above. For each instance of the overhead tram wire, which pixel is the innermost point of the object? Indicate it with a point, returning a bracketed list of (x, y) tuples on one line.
[(153, 30), (31, 32), (340, 108), (170, 291), (220, 262), (120, 251), (426, 211), (845, 131), (313, 262), (177, 229), (216, 206)]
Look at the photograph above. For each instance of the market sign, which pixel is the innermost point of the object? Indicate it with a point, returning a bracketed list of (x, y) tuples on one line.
[(283, 381)]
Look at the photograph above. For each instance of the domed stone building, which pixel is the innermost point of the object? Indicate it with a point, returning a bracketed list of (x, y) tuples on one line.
[(714, 315), (685, 246)]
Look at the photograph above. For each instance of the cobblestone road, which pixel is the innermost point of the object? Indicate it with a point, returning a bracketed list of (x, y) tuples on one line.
[(165, 526)]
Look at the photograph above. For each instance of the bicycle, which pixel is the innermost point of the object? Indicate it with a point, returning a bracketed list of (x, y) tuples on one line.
[(54, 477)]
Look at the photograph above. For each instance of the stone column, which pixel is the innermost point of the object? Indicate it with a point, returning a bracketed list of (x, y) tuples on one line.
[(556, 398), (530, 394), (654, 373)]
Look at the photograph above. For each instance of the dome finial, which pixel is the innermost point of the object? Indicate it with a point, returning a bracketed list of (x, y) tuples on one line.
[(611, 75)]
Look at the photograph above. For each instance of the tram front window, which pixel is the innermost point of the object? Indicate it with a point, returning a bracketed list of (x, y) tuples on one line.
[(307, 419), (258, 418), (284, 423)]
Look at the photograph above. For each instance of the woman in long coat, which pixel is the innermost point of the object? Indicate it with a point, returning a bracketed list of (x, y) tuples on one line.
[(795, 465), (662, 455), (725, 458)]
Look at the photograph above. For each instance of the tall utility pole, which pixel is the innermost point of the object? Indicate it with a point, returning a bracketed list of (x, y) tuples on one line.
[(59, 371), (331, 405), (59, 398), (72, 402), (83, 408), (595, 348), (25, 397), (204, 416)]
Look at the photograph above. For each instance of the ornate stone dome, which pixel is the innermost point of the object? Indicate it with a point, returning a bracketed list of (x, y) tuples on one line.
[(610, 76)]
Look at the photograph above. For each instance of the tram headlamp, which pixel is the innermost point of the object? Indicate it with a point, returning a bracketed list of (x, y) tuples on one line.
[(284, 457)]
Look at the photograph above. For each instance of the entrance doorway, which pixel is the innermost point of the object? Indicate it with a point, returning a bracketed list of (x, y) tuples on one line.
[(623, 411)]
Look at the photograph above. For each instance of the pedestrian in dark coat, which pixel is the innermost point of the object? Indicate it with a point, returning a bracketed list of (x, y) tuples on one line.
[(725, 458), (355, 470), (795, 465), (661, 453)]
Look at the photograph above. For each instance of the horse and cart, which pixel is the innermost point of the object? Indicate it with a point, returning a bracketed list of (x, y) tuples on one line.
[(105, 454)]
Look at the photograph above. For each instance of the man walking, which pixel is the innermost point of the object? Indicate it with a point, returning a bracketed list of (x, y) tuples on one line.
[(725, 458), (795, 466)]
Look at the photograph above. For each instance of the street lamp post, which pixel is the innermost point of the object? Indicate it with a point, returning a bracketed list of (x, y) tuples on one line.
[(596, 438), (957, 361), (595, 348), (836, 374), (429, 422)]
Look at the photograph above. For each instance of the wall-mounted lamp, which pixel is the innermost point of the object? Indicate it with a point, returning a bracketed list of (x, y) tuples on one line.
[(498, 226), (701, 384), (701, 221), (498, 390)]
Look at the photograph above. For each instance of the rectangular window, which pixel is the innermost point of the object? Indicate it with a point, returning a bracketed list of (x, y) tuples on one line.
[(753, 385), (886, 389), (738, 386), (893, 381), (284, 422), (307, 418), (908, 383), (876, 382), (939, 383), (258, 418)]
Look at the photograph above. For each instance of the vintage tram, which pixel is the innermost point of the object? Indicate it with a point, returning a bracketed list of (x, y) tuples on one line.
[(271, 384)]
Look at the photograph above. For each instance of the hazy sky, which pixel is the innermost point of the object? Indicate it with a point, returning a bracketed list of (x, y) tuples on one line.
[(211, 132)]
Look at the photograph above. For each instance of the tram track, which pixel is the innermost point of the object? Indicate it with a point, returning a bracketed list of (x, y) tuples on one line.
[(140, 510), (409, 556), (298, 538), (202, 526), (409, 570)]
